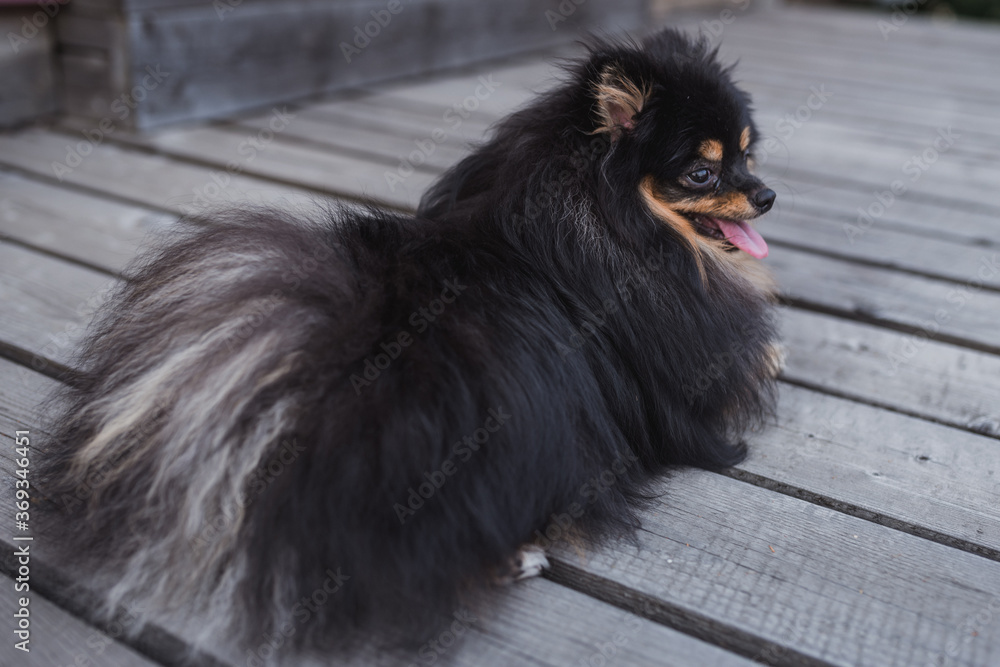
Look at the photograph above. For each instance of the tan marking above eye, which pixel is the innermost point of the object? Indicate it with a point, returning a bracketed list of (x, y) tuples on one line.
[(745, 138), (711, 150)]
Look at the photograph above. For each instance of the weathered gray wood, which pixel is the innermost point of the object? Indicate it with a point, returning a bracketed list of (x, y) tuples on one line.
[(878, 244), (153, 180), (964, 313), (790, 582), (828, 63), (57, 638), (849, 108), (928, 479), (908, 373), (840, 54), (843, 203), (96, 231), (922, 32), (830, 151), (292, 163), (27, 84), (338, 133), (419, 36), (48, 304)]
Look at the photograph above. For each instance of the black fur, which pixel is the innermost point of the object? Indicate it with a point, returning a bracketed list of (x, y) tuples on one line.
[(551, 294)]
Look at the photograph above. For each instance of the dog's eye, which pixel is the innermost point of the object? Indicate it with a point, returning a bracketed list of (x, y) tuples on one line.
[(700, 176)]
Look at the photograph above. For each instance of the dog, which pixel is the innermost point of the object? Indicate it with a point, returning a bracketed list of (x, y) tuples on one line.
[(398, 410)]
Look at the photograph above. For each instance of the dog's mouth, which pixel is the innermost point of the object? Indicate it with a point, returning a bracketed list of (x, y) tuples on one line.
[(738, 233)]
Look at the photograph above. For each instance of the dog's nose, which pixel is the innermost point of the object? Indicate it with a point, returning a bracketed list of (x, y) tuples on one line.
[(764, 199)]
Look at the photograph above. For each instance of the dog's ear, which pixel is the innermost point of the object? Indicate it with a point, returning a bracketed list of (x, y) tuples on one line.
[(619, 99)]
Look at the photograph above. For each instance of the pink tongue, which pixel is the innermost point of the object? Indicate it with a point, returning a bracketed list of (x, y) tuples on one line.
[(744, 237)]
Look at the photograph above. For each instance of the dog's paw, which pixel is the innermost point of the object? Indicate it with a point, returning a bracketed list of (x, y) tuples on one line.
[(529, 561)]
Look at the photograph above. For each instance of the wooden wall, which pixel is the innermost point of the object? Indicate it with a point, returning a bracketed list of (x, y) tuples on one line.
[(144, 63), (27, 81)]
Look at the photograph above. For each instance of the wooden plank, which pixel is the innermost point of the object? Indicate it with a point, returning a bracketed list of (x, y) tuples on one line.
[(48, 304), (515, 86), (876, 244), (343, 135), (907, 104), (140, 177), (849, 103), (830, 151), (921, 31), (92, 230), (792, 582), (962, 313), (899, 471), (57, 638), (297, 165), (908, 373), (540, 622), (857, 208), (761, 35), (827, 64), (391, 115)]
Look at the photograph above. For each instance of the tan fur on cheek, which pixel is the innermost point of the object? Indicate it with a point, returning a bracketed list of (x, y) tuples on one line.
[(701, 247)]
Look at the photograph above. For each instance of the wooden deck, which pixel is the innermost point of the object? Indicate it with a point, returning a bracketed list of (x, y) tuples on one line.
[(865, 527)]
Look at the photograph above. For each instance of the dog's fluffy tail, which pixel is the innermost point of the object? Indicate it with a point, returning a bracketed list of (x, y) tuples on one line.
[(181, 461)]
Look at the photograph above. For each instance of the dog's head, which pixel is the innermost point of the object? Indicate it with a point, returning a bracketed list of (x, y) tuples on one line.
[(686, 132)]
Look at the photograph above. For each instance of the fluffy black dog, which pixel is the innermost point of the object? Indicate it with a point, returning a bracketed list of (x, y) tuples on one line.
[(387, 408)]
